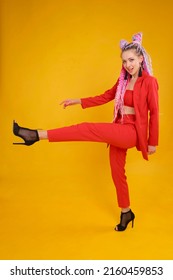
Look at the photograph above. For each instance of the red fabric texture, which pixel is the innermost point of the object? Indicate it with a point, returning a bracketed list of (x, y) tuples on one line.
[(135, 130), (117, 134), (120, 137), (128, 98), (117, 158), (145, 98)]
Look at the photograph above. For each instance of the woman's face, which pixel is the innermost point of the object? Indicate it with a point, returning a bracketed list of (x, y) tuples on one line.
[(131, 62)]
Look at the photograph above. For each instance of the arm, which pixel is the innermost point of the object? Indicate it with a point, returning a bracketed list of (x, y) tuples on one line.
[(69, 102), (153, 107), (92, 101), (99, 99)]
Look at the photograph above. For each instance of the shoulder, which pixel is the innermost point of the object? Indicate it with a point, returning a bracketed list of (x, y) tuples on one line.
[(150, 80), (147, 76)]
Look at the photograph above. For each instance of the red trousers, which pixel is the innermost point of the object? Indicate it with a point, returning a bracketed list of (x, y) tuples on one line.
[(119, 136)]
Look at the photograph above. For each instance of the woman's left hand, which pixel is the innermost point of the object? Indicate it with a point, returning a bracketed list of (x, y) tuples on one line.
[(151, 149)]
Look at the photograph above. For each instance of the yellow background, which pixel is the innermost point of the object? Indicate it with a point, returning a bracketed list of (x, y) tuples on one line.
[(58, 201)]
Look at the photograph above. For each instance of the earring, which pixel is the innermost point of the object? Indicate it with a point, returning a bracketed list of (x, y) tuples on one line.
[(126, 75), (140, 72)]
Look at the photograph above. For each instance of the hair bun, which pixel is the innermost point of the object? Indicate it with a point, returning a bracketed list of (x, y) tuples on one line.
[(123, 44), (137, 38)]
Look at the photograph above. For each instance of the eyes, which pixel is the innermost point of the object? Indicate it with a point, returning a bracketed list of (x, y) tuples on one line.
[(130, 60)]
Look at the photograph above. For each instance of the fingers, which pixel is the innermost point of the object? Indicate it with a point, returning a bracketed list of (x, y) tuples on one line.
[(69, 102), (151, 152), (66, 103), (62, 102), (151, 149)]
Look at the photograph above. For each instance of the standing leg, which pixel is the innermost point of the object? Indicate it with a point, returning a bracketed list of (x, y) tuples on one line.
[(117, 162)]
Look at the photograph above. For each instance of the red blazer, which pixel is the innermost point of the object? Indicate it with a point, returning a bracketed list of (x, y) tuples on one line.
[(145, 97)]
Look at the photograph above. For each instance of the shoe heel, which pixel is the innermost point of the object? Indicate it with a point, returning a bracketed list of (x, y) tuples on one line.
[(19, 144), (30, 136)]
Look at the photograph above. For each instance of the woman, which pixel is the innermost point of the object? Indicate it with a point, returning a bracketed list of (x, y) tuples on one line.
[(135, 94)]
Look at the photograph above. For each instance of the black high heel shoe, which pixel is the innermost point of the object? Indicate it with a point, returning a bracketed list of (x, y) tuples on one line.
[(125, 219), (30, 136)]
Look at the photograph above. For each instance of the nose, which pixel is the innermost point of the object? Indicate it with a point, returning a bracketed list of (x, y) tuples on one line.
[(128, 64)]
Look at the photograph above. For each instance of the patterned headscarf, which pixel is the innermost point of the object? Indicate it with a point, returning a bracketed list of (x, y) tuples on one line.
[(124, 75)]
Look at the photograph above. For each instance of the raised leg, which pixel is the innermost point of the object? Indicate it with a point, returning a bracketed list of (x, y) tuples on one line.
[(122, 136)]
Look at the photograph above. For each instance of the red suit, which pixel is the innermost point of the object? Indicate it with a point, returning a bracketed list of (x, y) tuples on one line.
[(135, 130)]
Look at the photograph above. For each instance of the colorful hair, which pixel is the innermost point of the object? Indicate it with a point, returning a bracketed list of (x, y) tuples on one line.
[(124, 75)]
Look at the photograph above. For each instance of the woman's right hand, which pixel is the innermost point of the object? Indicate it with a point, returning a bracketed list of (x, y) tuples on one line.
[(69, 102)]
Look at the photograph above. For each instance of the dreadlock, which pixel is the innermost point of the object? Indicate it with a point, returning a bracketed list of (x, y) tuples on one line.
[(124, 75)]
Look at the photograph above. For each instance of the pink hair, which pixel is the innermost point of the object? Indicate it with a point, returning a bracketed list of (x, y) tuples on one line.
[(124, 76)]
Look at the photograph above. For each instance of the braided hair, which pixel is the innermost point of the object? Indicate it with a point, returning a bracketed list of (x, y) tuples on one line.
[(124, 75)]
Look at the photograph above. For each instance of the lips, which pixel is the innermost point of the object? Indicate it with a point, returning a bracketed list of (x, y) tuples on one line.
[(130, 70)]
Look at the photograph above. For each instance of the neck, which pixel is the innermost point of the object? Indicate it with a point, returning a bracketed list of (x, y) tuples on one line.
[(138, 74), (134, 77)]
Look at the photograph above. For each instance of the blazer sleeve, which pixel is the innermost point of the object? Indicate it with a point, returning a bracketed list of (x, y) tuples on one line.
[(153, 106), (99, 99)]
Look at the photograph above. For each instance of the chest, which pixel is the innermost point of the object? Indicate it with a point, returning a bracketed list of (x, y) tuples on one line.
[(131, 83)]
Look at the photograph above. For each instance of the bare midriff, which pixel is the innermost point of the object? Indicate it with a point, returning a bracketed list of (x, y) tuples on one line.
[(127, 110)]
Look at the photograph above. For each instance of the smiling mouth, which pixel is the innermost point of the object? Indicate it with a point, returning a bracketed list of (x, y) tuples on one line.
[(130, 70)]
